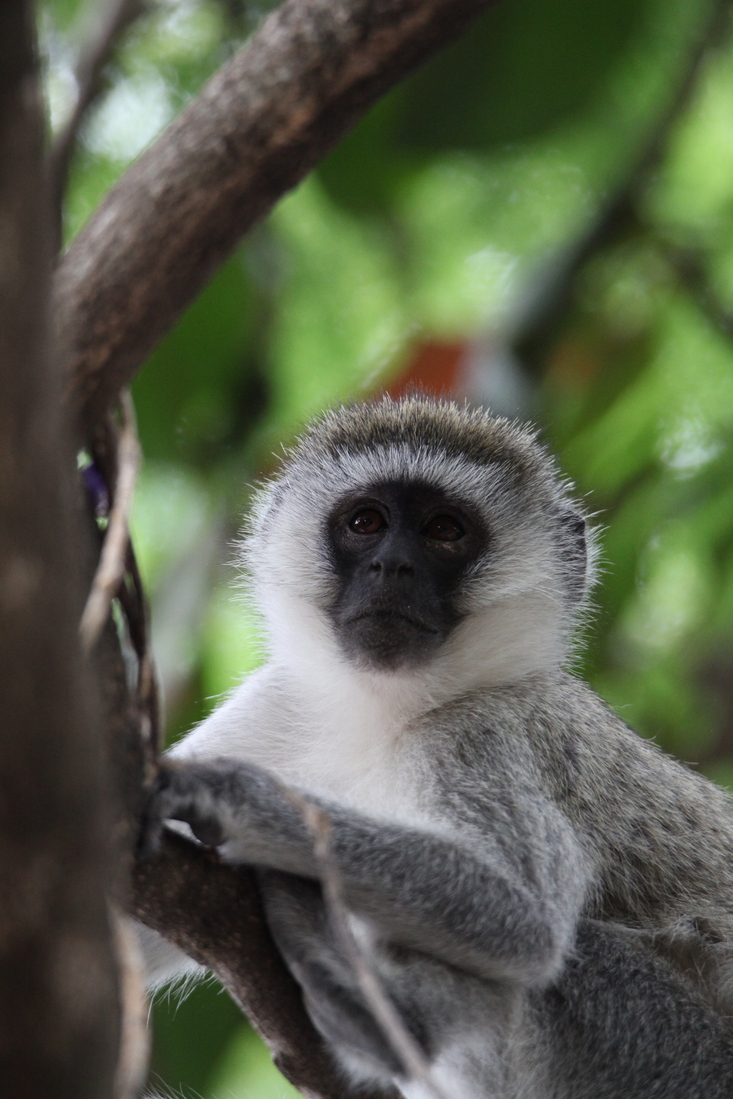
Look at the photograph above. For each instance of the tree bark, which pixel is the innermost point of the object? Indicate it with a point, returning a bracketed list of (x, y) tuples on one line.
[(260, 125), (59, 1015)]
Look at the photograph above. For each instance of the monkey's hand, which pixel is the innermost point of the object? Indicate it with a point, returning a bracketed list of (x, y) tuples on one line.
[(218, 799), (180, 793)]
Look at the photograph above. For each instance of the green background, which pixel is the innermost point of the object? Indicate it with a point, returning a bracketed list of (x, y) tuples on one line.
[(455, 213)]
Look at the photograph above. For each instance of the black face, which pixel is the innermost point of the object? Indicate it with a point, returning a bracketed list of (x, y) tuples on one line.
[(401, 550)]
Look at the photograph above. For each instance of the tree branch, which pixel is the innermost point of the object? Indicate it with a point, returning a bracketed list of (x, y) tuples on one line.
[(134, 1056), (113, 558), (110, 23), (213, 913), (618, 215), (309, 73), (690, 267)]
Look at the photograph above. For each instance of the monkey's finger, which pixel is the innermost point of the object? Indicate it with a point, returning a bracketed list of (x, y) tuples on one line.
[(152, 825), (150, 838)]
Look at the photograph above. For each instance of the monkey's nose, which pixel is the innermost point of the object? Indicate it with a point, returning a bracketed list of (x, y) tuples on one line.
[(392, 565)]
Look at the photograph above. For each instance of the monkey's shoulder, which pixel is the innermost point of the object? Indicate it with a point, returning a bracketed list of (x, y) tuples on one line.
[(658, 833), (557, 721), (551, 732)]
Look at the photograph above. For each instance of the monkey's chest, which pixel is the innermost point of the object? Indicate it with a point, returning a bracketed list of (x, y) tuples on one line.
[(372, 771)]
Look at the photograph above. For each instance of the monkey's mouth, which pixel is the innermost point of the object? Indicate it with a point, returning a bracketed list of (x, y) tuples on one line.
[(387, 617), (389, 638)]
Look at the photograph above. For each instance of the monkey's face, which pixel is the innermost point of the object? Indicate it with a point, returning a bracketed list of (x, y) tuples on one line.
[(400, 552)]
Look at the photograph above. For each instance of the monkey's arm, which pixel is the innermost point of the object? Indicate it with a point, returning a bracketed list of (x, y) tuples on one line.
[(488, 909)]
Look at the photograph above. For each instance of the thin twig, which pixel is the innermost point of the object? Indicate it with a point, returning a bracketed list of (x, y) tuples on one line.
[(134, 1052), (111, 568), (134, 605), (107, 27), (386, 1016)]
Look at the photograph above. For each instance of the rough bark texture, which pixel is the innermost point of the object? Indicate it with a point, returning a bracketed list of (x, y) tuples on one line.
[(308, 74), (219, 921), (58, 992)]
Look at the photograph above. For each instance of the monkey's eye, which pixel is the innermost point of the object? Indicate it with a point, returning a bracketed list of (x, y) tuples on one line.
[(367, 521), (443, 528)]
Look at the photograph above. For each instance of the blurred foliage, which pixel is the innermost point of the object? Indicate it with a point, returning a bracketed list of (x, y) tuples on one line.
[(447, 218)]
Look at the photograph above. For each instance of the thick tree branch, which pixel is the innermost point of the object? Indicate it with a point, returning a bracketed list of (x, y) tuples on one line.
[(59, 1012), (309, 73), (219, 921)]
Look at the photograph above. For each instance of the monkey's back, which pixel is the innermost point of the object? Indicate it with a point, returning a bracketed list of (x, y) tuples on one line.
[(622, 1023)]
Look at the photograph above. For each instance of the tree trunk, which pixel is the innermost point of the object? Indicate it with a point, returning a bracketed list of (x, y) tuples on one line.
[(59, 1015)]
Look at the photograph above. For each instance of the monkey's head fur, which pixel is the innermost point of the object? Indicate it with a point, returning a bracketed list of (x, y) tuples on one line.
[(402, 536)]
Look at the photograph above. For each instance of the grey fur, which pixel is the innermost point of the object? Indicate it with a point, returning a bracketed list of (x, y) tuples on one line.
[(547, 897)]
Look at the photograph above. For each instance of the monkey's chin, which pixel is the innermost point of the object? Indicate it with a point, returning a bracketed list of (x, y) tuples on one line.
[(388, 641)]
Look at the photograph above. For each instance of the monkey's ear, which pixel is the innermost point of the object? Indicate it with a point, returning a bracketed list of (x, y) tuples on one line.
[(575, 553)]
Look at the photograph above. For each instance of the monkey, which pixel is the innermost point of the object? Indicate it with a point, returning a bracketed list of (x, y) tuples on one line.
[(546, 897)]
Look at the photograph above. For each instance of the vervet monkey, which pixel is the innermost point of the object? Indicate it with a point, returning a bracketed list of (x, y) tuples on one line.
[(547, 898)]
